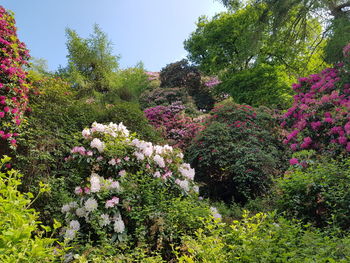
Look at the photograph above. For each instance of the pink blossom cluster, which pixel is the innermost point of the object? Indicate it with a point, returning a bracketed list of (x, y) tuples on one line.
[(152, 75), (178, 128), (320, 116), (14, 88), (212, 82)]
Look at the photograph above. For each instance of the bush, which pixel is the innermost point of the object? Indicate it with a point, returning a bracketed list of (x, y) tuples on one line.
[(318, 194), (263, 238), (14, 87), (130, 190), (21, 239), (237, 154), (176, 127), (319, 117)]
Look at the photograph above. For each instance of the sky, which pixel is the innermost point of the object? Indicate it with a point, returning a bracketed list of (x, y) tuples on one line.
[(151, 31)]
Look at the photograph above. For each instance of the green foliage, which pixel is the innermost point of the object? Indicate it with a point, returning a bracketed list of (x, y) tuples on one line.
[(318, 194), (237, 154), (263, 238), (243, 39), (263, 85), (131, 116), (90, 61), (21, 239)]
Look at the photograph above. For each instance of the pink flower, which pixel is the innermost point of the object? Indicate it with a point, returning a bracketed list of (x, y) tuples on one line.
[(78, 190), (86, 190), (293, 161), (2, 114)]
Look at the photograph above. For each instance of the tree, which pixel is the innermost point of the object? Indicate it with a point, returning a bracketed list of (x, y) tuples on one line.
[(241, 39), (334, 15), (91, 64)]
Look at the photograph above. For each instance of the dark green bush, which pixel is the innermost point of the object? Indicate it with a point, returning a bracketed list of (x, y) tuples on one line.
[(318, 194), (238, 153)]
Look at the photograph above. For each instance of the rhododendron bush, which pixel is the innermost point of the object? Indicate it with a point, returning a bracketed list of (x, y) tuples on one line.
[(320, 116), (114, 165), (13, 86), (178, 128), (237, 153)]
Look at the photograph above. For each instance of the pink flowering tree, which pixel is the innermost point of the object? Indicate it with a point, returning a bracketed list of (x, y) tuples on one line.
[(13, 80), (117, 167), (320, 116), (175, 126)]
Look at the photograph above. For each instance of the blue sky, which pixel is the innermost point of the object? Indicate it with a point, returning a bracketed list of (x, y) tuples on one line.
[(151, 31)]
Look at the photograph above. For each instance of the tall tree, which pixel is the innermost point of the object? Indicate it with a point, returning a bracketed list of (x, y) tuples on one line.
[(334, 15), (91, 64)]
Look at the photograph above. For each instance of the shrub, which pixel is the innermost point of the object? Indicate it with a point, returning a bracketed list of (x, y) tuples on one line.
[(237, 154), (176, 127), (14, 87), (130, 190), (319, 117), (263, 238), (21, 239), (318, 194)]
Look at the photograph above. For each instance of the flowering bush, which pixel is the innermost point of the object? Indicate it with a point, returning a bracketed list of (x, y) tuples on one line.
[(237, 154), (178, 128), (13, 85), (122, 175), (319, 118)]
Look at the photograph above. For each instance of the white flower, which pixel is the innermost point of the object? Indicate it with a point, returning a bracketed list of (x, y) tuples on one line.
[(148, 151), (180, 155), (186, 170), (159, 160), (122, 173), (98, 127), (215, 213), (157, 174), (98, 144), (86, 133), (65, 208), (104, 220), (90, 204), (183, 184), (139, 156), (80, 212), (70, 234), (112, 162), (196, 189), (95, 183), (74, 224), (119, 226)]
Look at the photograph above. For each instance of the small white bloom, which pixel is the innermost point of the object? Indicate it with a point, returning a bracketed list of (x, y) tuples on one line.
[(74, 224), (95, 183), (91, 204), (122, 173), (65, 208), (70, 234), (98, 144), (119, 226), (159, 160), (112, 162), (139, 156), (215, 213), (183, 184), (104, 220), (86, 133), (80, 212), (157, 174)]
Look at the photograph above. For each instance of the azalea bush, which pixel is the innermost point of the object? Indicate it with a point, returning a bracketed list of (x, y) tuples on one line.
[(319, 118), (238, 153), (317, 194), (130, 190), (14, 87), (175, 126), (22, 237)]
